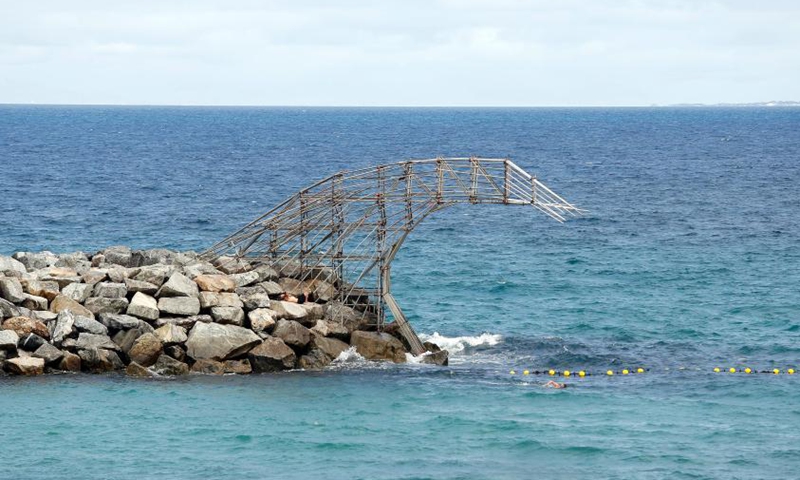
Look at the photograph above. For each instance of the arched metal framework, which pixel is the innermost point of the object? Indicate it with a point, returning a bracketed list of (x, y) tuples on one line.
[(347, 228)]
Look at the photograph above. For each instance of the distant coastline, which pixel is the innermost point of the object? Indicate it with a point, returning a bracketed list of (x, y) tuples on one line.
[(772, 103)]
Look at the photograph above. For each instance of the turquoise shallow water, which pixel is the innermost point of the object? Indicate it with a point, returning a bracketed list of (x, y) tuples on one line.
[(688, 260)]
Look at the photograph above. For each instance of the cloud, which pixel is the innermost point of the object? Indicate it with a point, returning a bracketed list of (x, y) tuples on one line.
[(455, 52)]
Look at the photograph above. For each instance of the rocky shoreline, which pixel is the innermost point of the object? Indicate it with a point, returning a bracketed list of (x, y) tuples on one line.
[(160, 312)]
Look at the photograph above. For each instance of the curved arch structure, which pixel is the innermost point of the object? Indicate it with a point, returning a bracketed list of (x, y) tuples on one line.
[(344, 231)]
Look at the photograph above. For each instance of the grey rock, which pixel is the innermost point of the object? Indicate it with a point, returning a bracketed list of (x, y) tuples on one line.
[(118, 321), (155, 274), (208, 367), (178, 285), (351, 319), (261, 319), (328, 328), (44, 315), (228, 315), (272, 288), (125, 338), (78, 291), (331, 347), (293, 286), (215, 299), (143, 306), (272, 355), (62, 327), (135, 370), (11, 268), (88, 325), (170, 334), (292, 333), (288, 310), (179, 305), (98, 305), (232, 265), (11, 290), (33, 302), (8, 309), (94, 275), (239, 367), (48, 353), (117, 274), (36, 261), (90, 340), (110, 290), (61, 302), (254, 297), (313, 360), (186, 322), (118, 255), (245, 279), (265, 273), (166, 365), (98, 360), (219, 342), (8, 340), (140, 286)]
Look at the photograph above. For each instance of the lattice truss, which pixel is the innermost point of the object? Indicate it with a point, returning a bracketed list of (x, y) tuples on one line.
[(346, 229)]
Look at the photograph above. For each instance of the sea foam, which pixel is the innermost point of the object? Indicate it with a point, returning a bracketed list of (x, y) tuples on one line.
[(459, 344)]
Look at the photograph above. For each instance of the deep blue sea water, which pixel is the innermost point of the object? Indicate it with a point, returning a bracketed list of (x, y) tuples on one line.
[(688, 259)]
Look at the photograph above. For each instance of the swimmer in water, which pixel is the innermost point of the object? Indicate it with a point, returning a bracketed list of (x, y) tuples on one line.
[(552, 384)]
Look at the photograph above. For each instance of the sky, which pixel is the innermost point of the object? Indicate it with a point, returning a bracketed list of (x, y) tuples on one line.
[(399, 53)]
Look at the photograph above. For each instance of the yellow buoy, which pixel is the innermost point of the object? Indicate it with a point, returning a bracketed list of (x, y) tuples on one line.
[(790, 371), (640, 370), (716, 369), (525, 372), (732, 370), (552, 372), (747, 370), (610, 373), (512, 372), (581, 373), (625, 371), (567, 373), (776, 371)]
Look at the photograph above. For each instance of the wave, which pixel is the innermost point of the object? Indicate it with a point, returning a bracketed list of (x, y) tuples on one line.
[(349, 356), (459, 344)]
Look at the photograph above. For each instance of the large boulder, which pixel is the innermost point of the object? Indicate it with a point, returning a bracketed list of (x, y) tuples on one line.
[(25, 366), (288, 310), (30, 342), (8, 309), (99, 360), (118, 255), (331, 347), (36, 260), (271, 356), (246, 278), (11, 290), (62, 302), (292, 333), (143, 306), (8, 340), (88, 325), (62, 276), (261, 319), (208, 367), (126, 338), (48, 353), (328, 328), (32, 302), (155, 274), (273, 289), (26, 325), (170, 334), (87, 341), (219, 342), (62, 327), (179, 305), (378, 346), (239, 367), (48, 290), (166, 365), (216, 299), (146, 350), (140, 286), (185, 322), (232, 265), (215, 283), (228, 315), (118, 321), (70, 362), (253, 297), (110, 290), (98, 305), (178, 285), (94, 276), (346, 316), (135, 370), (11, 268)]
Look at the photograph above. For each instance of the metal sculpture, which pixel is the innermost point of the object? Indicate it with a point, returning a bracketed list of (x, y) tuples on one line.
[(345, 230)]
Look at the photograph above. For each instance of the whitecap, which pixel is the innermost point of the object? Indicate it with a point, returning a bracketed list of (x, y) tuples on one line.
[(459, 344)]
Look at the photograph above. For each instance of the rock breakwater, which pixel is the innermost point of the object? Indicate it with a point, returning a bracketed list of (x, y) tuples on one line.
[(161, 312)]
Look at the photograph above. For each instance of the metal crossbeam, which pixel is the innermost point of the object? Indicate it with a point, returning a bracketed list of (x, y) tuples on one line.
[(347, 228)]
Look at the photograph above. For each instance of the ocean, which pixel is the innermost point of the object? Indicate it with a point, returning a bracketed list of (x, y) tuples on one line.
[(688, 259)]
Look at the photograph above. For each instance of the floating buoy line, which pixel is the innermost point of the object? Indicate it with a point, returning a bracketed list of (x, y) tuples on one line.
[(642, 371)]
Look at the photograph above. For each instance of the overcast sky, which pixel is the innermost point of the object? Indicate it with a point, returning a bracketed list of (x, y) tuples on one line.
[(405, 52)]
